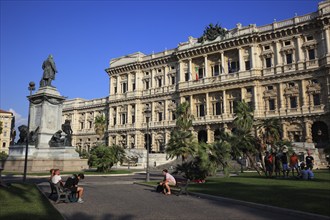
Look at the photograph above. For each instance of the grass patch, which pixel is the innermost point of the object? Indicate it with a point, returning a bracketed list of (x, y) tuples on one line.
[(309, 196), (24, 201)]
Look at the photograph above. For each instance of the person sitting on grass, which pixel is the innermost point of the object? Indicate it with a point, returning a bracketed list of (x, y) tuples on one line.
[(168, 181), (72, 184), (306, 172)]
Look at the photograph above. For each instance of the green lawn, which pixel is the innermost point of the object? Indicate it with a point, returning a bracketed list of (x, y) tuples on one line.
[(310, 196), (24, 201)]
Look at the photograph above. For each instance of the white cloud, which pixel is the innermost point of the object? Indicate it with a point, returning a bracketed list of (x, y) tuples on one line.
[(19, 120)]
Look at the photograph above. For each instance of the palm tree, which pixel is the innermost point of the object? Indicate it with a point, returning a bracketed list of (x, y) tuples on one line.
[(243, 116), (100, 125), (182, 142), (270, 130)]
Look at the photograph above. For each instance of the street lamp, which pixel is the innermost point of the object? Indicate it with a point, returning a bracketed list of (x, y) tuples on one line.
[(31, 88), (147, 113)]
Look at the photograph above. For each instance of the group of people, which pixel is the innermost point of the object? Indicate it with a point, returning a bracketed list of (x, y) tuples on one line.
[(281, 163), (70, 184)]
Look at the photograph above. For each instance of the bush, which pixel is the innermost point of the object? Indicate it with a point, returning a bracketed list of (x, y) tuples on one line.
[(103, 157)]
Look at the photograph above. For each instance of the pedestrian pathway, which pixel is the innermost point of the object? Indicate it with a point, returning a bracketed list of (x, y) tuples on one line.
[(117, 198)]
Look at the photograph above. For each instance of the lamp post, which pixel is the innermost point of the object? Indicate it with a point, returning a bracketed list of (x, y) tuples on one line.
[(147, 113), (31, 88)]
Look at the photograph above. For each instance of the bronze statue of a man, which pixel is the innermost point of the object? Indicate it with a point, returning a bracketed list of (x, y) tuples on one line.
[(49, 72)]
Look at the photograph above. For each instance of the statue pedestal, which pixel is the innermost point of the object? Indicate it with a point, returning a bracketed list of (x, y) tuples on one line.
[(44, 159), (45, 120)]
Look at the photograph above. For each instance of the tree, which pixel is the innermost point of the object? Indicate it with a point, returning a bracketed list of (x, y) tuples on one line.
[(182, 142), (104, 157), (242, 140), (100, 125), (270, 130)]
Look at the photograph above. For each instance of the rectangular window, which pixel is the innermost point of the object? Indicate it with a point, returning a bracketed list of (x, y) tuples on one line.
[(90, 124), (287, 43), (115, 89), (160, 116), (268, 62), (124, 87), (123, 119), (186, 77), (81, 125), (267, 47), (217, 108), (289, 58), (316, 99), (114, 121), (4, 144), (271, 104), (172, 80), (216, 70), (201, 110), (147, 84), (233, 67), (200, 73), (133, 119), (247, 65), (311, 54), (133, 86), (293, 102), (159, 82)]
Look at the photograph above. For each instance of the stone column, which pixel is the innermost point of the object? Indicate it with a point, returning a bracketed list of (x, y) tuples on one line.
[(299, 54), (256, 100), (166, 77), (308, 131), (206, 74), (190, 69), (129, 83), (224, 102), (208, 134), (243, 92), (282, 99), (166, 116), (180, 73), (278, 58), (118, 85), (207, 105), (152, 79), (304, 105), (191, 104), (222, 63), (284, 129), (252, 58), (241, 60), (326, 39)]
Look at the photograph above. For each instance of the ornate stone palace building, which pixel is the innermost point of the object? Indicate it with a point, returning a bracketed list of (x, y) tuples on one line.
[(280, 69)]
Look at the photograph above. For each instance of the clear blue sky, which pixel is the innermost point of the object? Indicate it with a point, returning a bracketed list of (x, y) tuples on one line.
[(83, 36)]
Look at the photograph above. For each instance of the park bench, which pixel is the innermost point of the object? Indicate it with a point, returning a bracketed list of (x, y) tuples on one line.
[(182, 185), (62, 194)]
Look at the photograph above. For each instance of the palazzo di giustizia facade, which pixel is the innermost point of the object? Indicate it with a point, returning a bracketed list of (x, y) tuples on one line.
[(280, 69)]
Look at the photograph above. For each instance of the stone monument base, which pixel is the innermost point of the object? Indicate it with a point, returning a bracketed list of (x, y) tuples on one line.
[(44, 159)]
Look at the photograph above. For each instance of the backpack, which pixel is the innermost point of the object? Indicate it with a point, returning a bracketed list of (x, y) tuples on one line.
[(160, 188)]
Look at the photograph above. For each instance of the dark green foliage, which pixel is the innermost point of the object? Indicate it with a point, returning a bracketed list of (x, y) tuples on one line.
[(3, 156), (104, 157)]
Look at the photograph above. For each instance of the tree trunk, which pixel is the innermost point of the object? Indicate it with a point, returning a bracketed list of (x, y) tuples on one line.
[(253, 162)]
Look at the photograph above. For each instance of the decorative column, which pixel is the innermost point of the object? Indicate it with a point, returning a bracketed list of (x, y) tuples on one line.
[(180, 73), (308, 131), (278, 58), (222, 63), (166, 79), (241, 60), (282, 99), (299, 54), (207, 105), (326, 40), (256, 100), (224, 102), (190, 69), (208, 134), (206, 67), (252, 59), (129, 86)]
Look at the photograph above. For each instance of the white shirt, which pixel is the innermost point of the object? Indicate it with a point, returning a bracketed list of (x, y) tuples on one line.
[(170, 178), (56, 179)]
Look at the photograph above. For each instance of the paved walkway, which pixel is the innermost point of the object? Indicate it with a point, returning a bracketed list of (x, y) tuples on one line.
[(118, 198)]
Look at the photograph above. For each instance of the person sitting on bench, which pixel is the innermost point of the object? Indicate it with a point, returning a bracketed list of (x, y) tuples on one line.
[(56, 178), (72, 184), (169, 180)]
